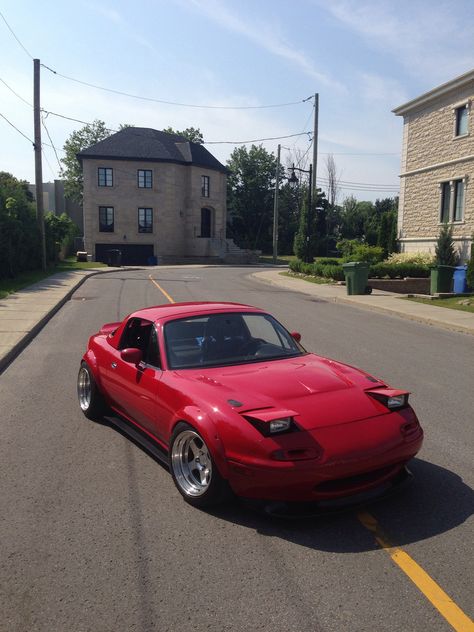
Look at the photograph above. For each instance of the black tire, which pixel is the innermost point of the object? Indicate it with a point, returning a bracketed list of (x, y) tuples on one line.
[(91, 400), (193, 469)]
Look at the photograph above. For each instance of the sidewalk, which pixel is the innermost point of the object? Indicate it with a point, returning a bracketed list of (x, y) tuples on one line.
[(387, 302), (23, 314)]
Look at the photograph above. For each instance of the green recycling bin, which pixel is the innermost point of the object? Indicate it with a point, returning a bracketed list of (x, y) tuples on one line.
[(357, 274), (441, 279)]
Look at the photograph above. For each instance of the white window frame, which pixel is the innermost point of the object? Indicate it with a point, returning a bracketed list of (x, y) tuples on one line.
[(452, 200), (457, 107)]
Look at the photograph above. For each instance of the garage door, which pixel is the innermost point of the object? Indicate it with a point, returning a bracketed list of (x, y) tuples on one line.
[(132, 254)]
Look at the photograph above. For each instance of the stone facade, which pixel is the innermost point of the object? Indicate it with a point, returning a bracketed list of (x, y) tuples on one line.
[(175, 198), (434, 154)]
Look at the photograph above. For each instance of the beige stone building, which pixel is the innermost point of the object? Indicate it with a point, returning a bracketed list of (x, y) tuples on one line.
[(152, 194), (437, 179)]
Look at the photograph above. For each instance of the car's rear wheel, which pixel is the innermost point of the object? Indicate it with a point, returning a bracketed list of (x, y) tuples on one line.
[(91, 400), (193, 469)]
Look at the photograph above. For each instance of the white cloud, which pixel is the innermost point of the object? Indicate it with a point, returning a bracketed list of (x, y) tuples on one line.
[(374, 87), (263, 34)]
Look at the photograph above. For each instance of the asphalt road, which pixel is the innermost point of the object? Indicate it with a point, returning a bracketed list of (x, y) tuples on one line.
[(94, 536)]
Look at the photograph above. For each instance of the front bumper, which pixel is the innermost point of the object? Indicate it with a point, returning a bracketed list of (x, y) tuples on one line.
[(311, 509)]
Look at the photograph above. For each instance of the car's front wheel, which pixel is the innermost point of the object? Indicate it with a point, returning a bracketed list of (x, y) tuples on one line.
[(91, 400), (193, 469)]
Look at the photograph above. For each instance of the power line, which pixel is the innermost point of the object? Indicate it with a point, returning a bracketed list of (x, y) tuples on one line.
[(210, 142), (176, 103), (13, 33), (16, 93), (18, 130), (51, 141)]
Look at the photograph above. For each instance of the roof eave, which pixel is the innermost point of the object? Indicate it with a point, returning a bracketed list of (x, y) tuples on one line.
[(437, 92)]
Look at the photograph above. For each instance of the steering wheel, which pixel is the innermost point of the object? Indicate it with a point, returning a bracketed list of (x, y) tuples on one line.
[(251, 347)]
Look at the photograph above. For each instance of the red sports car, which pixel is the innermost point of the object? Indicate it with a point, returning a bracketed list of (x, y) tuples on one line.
[(233, 403)]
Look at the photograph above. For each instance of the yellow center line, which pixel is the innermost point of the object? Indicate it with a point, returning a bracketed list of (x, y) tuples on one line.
[(161, 289), (431, 590)]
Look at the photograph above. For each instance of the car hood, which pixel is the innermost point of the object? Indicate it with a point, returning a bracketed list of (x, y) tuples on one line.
[(318, 391)]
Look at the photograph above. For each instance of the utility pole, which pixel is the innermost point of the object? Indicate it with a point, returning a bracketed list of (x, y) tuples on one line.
[(315, 143), (309, 216), (275, 208), (38, 163)]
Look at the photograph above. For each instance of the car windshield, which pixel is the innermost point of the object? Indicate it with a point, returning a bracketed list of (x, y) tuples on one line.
[(224, 339)]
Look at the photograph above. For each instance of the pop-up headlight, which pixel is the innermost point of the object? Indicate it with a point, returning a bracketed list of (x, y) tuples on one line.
[(391, 398)]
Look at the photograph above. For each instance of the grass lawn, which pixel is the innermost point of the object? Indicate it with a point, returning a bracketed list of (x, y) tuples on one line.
[(9, 286), (450, 303)]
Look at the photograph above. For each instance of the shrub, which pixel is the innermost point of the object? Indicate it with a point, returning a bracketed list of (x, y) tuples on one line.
[(445, 252), (333, 272), (470, 266), (421, 258), (398, 270), (295, 265), (370, 254), (347, 246), (327, 261)]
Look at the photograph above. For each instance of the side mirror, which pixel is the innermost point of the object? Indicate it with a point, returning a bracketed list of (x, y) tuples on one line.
[(296, 336), (133, 356)]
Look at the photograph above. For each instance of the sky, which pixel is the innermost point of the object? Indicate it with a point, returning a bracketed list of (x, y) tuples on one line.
[(363, 58)]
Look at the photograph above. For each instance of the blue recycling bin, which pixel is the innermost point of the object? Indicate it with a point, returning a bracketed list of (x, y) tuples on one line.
[(460, 280)]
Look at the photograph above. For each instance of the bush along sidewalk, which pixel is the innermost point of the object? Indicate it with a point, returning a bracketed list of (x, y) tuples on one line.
[(377, 271)]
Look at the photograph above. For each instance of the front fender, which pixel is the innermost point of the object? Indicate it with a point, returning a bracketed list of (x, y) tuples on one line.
[(203, 423), (91, 359)]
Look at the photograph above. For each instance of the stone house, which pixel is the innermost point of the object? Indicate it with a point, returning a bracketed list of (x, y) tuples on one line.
[(437, 179), (152, 194)]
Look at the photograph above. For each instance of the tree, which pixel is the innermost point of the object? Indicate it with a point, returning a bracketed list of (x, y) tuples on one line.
[(333, 181), (78, 141), (19, 233), (445, 252), (192, 134), (311, 239), (250, 191)]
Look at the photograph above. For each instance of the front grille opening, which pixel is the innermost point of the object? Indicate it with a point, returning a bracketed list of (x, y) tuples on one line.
[(350, 482)]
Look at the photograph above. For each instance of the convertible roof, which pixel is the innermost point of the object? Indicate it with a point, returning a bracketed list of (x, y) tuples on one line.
[(191, 309)]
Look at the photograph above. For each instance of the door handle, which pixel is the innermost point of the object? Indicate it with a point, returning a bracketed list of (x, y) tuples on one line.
[(114, 365)]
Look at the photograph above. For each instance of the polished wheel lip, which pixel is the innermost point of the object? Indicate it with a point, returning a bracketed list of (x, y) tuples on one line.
[(84, 388), (191, 463)]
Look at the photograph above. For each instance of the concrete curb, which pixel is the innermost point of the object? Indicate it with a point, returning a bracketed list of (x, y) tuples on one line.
[(18, 347)]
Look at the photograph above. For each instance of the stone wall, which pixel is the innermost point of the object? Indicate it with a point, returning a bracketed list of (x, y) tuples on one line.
[(432, 154), (401, 286)]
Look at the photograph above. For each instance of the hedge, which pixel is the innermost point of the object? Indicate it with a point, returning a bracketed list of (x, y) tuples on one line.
[(377, 271)]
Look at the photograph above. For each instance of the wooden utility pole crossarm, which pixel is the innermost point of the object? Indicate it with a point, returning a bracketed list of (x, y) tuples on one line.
[(38, 163)]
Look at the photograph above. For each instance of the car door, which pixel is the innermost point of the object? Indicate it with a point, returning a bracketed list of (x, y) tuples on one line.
[(134, 389)]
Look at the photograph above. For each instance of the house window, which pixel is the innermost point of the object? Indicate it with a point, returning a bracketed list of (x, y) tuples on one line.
[(206, 222), (205, 186), (145, 178), (145, 220), (452, 201), (106, 177), (445, 201), (106, 219), (458, 200), (461, 120)]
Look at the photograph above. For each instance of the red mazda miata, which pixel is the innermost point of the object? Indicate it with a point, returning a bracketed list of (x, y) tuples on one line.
[(233, 403)]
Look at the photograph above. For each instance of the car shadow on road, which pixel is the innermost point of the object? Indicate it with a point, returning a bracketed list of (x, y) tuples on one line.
[(437, 501)]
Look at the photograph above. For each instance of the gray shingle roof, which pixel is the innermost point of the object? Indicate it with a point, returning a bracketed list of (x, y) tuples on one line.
[(151, 145)]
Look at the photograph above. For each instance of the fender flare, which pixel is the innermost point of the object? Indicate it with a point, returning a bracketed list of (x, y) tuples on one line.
[(90, 358), (203, 423)]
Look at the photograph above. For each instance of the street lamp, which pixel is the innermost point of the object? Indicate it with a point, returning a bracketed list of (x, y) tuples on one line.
[(293, 180)]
